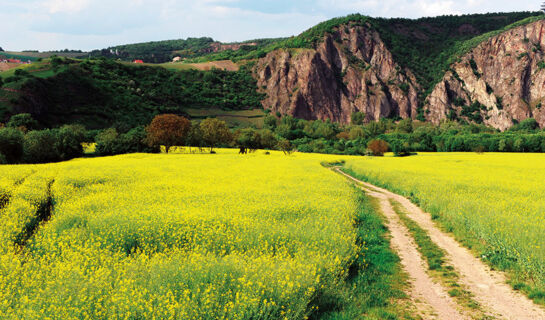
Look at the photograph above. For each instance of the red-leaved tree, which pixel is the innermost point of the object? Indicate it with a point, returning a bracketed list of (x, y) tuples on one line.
[(168, 130)]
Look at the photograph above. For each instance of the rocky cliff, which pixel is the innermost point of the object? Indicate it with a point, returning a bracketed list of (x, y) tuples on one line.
[(350, 70), (499, 82)]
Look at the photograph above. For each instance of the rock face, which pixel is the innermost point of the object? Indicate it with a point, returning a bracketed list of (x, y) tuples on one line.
[(351, 70), (501, 80)]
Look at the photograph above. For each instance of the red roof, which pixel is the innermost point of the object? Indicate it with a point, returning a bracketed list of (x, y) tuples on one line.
[(14, 60), (138, 61)]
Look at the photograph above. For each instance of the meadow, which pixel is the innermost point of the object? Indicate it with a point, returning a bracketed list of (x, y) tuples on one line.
[(493, 203), (186, 236)]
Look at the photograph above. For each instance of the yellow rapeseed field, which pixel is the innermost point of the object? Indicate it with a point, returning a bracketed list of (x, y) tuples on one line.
[(185, 236), (493, 199)]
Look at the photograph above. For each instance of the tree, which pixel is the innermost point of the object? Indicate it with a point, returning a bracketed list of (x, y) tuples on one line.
[(168, 130), (405, 126), (356, 133), (270, 122), (1, 82), (357, 118), (69, 140), (268, 139), (24, 121), (39, 147), (247, 139), (106, 142), (374, 129), (194, 137), (215, 132), (378, 147), (11, 144), (285, 146)]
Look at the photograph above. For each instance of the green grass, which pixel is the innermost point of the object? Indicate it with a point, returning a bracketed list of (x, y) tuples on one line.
[(234, 118), (375, 287)]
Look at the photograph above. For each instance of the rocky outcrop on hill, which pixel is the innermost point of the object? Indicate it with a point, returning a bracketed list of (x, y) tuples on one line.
[(498, 83), (350, 70)]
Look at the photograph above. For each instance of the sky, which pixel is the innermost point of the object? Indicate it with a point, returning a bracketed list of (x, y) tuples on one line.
[(93, 24)]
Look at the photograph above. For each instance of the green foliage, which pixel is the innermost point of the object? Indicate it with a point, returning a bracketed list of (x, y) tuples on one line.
[(473, 112), (22, 120), (405, 126), (39, 147), (158, 51), (357, 118), (529, 125), (11, 144), (215, 132), (100, 93), (270, 122)]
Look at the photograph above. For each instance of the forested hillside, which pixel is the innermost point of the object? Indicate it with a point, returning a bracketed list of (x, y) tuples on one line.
[(190, 48), (100, 93)]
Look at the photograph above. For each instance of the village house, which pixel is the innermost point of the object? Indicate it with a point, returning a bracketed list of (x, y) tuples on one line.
[(177, 59), (138, 61)]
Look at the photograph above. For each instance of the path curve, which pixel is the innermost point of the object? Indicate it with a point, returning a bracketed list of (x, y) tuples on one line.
[(489, 287)]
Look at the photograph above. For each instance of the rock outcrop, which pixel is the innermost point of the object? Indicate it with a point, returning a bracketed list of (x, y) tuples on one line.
[(499, 82), (350, 70)]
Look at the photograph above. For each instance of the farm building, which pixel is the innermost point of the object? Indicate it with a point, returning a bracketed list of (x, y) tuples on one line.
[(177, 59), (138, 61)]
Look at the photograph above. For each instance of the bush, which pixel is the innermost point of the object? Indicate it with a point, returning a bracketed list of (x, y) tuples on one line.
[(285, 146), (11, 144), (69, 140), (378, 147), (39, 147), (357, 118), (106, 142), (23, 121), (110, 142)]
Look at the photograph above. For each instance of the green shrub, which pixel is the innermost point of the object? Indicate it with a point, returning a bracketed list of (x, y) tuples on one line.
[(39, 147), (22, 120), (11, 144)]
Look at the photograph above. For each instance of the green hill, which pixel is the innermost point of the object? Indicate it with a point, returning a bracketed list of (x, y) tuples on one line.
[(101, 93)]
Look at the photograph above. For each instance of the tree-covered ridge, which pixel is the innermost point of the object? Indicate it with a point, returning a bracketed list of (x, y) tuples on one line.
[(101, 93), (190, 48)]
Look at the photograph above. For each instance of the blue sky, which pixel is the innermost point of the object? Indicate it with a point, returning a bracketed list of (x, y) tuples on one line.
[(90, 24)]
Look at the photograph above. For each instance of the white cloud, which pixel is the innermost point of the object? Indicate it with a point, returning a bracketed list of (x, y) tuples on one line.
[(90, 24), (65, 6)]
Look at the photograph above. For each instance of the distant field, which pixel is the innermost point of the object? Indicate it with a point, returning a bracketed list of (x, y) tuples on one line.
[(232, 117), (174, 237), (221, 65), (494, 202), (37, 69), (36, 55)]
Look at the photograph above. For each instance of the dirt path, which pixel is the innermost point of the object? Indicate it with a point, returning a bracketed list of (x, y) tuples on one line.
[(489, 287)]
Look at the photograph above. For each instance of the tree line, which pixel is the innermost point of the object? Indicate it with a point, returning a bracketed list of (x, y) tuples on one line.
[(21, 140)]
